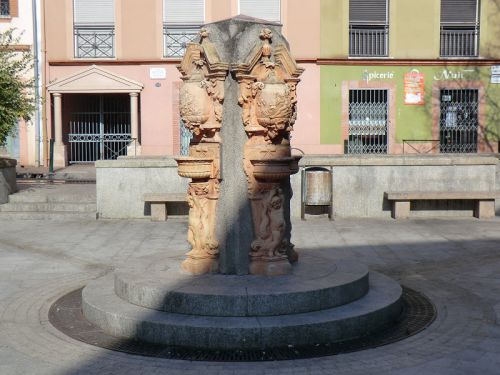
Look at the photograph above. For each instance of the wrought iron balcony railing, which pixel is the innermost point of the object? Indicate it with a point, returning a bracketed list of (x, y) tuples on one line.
[(175, 39), (94, 42), (459, 41), (368, 41), (4, 8)]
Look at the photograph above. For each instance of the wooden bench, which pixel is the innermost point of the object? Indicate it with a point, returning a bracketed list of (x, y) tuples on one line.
[(159, 201), (484, 201)]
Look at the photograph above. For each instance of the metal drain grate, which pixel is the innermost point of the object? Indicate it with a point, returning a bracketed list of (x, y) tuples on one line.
[(66, 315)]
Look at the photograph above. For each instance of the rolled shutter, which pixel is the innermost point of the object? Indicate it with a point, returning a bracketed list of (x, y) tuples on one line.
[(184, 12), (368, 11), (269, 10), (94, 12), (458, 11)]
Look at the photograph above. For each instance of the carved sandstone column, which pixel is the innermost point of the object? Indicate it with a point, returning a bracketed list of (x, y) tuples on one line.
[(201, 98), (268, 98)]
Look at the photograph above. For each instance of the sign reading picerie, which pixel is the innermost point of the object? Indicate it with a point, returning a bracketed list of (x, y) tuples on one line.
[(414, 88)]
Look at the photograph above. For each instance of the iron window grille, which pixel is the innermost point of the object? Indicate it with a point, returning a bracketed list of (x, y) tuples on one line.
[(94, 42), (458, 121), (367, 121), (185, 139), (176, 38), (459, 41), (100, 128), (4, 8), (368, 40)]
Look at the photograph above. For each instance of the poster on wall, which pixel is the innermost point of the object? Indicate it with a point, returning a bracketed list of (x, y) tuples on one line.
[(414, 88)]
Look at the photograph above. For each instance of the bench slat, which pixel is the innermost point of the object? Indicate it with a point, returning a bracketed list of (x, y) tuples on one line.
[(435, 195)]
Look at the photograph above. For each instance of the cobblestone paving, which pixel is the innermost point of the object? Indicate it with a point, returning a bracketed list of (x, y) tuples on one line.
[(456, 262)]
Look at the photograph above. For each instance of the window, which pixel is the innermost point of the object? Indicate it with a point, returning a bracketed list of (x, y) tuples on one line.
[(459, 28), (4, 8), (458, 120), (368, 28), (181, 22), (94, 28), (269, 10), (367, 121)]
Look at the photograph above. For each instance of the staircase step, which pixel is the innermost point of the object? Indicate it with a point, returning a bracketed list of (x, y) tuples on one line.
[(313, 285), (380, 307), (53, 215), (23, 197), (48, 207)]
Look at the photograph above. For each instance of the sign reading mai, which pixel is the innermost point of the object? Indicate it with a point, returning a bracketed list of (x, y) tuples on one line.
[(447, 74)]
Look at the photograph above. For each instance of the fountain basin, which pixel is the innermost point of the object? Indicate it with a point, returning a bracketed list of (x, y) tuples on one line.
[(192, 167)]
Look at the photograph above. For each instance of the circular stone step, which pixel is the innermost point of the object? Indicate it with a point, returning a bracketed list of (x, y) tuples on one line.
[(313, 285), (380, 307)]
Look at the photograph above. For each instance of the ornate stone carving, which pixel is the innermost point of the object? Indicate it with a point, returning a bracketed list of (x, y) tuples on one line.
[(270, 228), (201, 100), (268, 99)]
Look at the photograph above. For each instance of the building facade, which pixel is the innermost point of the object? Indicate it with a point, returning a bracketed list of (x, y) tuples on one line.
[(382, 76), (18, 15)]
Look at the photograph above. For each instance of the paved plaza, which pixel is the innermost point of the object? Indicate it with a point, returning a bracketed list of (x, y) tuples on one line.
[(455, 262)]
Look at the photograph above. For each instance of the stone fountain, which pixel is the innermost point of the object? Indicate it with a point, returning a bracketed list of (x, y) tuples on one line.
[(241, 284), (265, 83)]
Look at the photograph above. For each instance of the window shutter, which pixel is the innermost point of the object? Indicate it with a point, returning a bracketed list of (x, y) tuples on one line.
[(459, 11), (368, 11), (184, 12), (94, 12), (268, 10)]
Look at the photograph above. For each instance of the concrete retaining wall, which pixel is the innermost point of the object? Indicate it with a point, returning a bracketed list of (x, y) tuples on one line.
[(359, 183), (121, 184), (7, 179)]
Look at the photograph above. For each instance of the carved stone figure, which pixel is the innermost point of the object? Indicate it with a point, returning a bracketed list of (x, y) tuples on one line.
[(268, 99), (270, 229), (201, 99)]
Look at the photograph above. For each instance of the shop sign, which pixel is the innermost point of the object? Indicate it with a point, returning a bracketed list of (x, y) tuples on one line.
[(495, 74), (157, 73), (414, 88), (369, 76), (447, 74)]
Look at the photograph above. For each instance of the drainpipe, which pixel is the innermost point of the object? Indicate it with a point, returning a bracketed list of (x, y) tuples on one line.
[(37, 69)]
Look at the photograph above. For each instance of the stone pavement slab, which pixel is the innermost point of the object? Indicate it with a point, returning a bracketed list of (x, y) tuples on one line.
[(455, 262)]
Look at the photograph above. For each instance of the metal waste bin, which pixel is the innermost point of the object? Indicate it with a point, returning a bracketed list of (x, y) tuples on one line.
[(316, 189)]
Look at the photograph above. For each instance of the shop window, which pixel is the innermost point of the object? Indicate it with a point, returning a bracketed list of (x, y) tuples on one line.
[(181, 22), (459, 28), (94, 28), (458, 120), (367, 121), (269, 10), (368, 28)]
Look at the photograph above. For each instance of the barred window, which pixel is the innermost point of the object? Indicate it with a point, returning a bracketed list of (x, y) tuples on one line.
[(94, 28), (181, 22), (4, 8), (269, 10), (367, 121), (458, 121), (459, 28), (368, 28)]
